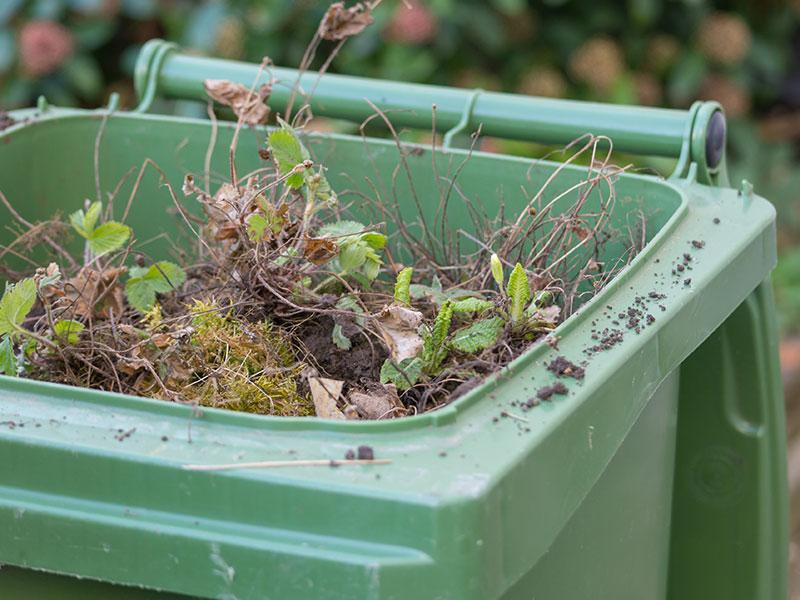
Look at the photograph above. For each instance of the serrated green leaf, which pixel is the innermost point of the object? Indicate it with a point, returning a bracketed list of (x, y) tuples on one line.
[(478, 336), (165, 276), (341, 229), (374, 239), (15, 305), (353, 256), (161, 277), (68, 330), (8, 362), (288, 152), (348, 302), (108, 237), (140, 294), (404, 375), (402, 286), (92, 215), (518, 291), (372, 266), (471, 305), (84, 222), (256, 226), (340, 339), (136, 271), (497, 270)]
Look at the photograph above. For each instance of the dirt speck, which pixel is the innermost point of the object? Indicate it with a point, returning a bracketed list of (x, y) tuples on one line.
[(365, 453), (6, 120), (124, 435), (563, 367), (547, 391)]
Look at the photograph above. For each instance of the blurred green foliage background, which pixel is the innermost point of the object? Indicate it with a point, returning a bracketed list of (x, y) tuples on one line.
[(744, 54)]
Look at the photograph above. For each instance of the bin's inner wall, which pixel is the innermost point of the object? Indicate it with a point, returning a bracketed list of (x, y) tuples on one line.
[(47, 167)]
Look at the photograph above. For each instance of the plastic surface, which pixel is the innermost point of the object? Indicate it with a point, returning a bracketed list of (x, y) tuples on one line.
[(577, 502), (163, 71)]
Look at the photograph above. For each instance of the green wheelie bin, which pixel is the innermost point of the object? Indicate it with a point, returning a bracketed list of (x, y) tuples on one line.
[(662, 475)]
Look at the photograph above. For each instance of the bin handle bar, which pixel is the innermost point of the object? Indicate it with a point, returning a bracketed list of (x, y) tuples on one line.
[(694, 136)]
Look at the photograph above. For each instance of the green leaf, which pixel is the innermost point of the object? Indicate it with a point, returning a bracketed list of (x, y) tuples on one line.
[(471, 305), (441, 325), (341, 229), (108, 237), (256, 226), (68, 330), (497, 270), (478, 336), (348, 302), (434, 348), (84, 222), (402, 286), (404, 375), (375, 239), (15, 305), (140, 294), (288, 152), (8, 362), (353, 256), (340, 339), (518, 291), (165, 276), (372, 266), (162, 277)]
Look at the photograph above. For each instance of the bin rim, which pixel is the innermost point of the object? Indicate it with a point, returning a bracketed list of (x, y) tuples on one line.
[(445, 415)]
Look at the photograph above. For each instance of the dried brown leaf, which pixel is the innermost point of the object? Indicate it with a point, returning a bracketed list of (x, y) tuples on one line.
[(320, 250), (399, 327), (325, 392), (90, 292), (340, 23), (248, 106), (380, 402)]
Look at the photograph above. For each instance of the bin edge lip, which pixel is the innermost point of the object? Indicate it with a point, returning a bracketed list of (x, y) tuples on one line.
[(448, 414)]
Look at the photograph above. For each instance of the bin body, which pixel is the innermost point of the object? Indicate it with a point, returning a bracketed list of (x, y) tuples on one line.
[(668, 451)]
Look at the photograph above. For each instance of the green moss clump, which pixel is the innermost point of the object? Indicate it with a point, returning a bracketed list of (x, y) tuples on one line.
[(243, 366)]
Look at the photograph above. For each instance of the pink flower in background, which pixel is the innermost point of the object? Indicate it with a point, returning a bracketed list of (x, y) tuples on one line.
[(412, 23), (43, 47)]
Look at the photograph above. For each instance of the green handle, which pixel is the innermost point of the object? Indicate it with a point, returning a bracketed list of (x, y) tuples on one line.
[(164, 71)]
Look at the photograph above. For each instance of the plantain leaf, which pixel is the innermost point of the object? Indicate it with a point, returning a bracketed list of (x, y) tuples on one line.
[(434, 348), (402, 286), (518, 291), (478, 336), (497, 270), (471, 305)]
